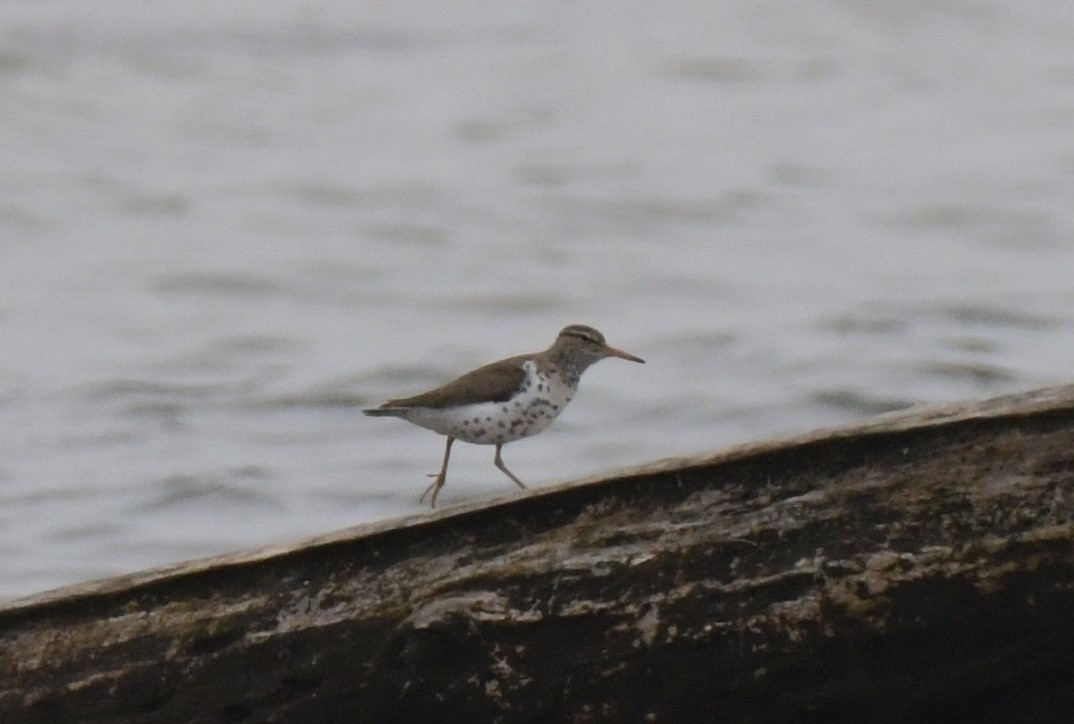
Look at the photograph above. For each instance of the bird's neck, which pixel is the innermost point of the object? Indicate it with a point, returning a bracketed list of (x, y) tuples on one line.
[(565, 367)]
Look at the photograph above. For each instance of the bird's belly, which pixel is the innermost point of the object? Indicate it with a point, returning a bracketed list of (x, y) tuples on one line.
[(494, 423)]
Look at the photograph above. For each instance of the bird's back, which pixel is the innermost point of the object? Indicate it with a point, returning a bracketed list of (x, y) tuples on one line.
[(495, 382)]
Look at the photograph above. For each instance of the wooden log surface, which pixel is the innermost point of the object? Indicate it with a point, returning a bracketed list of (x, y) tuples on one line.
[(918, 566)]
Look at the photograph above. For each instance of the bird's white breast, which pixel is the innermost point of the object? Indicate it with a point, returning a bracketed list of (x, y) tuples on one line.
[(539, 401)]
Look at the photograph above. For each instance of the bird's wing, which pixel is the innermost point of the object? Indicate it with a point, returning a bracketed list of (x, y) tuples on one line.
[(495, 382)]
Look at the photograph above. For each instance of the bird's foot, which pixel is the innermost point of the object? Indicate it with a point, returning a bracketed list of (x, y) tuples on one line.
[(434, 487)]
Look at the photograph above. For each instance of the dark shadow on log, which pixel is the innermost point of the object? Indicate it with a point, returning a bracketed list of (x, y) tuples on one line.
[(918, 567)]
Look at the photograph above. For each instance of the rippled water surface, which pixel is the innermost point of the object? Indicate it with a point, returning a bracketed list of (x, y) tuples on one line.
[(226, 227)]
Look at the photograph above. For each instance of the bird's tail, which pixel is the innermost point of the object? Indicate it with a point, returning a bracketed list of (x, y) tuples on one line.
[(382, 412)]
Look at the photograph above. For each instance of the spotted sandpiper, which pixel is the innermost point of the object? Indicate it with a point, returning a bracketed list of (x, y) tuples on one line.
[(506, 400)]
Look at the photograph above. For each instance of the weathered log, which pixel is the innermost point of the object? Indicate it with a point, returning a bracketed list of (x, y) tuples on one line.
[(918, 566)]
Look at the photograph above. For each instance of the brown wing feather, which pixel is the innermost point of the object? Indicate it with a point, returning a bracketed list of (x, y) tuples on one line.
[(496, 382)]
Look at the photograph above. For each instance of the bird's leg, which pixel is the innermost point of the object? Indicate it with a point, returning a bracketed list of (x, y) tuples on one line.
[(440, 477), (499, 463)]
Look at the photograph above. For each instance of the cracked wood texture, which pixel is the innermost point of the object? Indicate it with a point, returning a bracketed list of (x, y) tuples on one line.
[(916, 567)]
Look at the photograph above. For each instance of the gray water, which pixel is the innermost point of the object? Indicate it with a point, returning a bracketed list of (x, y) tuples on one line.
[(226, 227)]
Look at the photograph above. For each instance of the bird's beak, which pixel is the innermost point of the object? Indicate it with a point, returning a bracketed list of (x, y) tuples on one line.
[(613, 352)]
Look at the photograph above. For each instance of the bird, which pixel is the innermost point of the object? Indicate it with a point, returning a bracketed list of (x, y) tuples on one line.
[(506, 400)]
